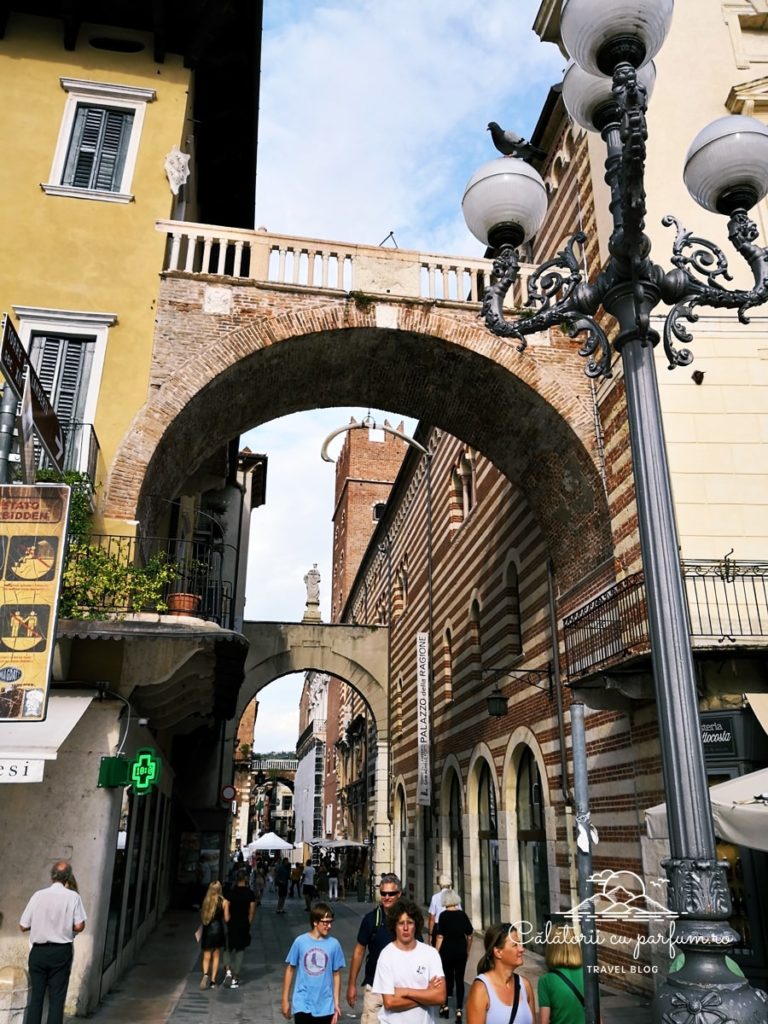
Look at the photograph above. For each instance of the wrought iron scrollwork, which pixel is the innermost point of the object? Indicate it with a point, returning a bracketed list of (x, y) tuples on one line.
[(701, 266), (557, 287)]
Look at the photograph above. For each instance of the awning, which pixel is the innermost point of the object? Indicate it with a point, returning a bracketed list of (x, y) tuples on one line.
[(41, 740), (759, 704), (334, 844), (739, 811)]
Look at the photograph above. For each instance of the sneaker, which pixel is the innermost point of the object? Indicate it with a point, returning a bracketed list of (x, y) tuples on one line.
[(205, 982), (228, 979), (235, 983)]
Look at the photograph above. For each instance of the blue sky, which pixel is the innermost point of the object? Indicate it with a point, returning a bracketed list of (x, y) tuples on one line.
[(372, 119)]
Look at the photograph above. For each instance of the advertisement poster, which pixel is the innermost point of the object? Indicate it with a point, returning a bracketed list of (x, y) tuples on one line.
[(33, 529)]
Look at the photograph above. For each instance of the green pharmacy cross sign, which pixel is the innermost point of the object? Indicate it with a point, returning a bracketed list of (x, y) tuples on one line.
[(145, 770), (141, 774)]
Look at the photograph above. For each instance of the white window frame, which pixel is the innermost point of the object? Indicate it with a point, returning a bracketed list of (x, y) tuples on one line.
[(101, 94), (72, 323)]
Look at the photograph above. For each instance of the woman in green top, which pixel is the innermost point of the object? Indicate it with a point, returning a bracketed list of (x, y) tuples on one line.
[(561, 990)]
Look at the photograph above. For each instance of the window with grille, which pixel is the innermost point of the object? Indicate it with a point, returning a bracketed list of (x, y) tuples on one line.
[(97, 149)]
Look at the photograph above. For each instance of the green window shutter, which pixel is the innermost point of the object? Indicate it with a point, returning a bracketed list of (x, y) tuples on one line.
[(63, 366), (96, 157)]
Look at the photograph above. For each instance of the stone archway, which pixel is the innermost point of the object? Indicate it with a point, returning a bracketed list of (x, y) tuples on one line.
[(357, 654), (529, 414)]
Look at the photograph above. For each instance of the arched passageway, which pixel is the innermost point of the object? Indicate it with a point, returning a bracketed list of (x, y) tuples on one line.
[(527, 413)]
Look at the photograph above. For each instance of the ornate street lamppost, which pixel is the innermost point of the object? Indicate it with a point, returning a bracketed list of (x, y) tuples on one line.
[(726, 171)]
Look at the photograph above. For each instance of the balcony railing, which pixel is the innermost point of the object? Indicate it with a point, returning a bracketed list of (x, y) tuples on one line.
[(727, 602), (81, 450), (337, 266), (98, 580)]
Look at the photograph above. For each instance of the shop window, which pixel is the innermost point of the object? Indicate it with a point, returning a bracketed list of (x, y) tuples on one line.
[(456, 836), (490, 888), (532, 844)]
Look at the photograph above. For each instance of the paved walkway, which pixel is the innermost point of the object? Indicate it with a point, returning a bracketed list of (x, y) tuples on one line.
[(163, 987)]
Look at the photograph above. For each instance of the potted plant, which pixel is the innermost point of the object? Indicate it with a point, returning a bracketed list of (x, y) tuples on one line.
[(186, 597)]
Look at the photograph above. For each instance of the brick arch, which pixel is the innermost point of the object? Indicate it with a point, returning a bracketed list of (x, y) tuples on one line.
[(528, 413)]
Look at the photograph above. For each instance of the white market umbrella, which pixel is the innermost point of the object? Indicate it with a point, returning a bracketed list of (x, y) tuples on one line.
[(270, 841), (739, 811)]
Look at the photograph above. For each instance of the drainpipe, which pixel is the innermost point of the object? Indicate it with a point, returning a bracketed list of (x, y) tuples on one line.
[(568, 796)]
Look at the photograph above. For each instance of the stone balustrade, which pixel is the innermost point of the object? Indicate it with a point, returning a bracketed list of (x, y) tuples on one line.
[(338, 266)]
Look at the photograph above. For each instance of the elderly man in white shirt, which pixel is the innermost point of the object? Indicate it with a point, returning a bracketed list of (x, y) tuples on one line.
[(52, 917)]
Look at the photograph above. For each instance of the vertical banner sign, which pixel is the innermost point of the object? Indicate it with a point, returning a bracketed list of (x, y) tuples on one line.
[(423, 724), (33, 530)]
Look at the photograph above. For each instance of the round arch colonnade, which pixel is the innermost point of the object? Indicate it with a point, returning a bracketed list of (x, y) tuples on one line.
[(462, 855)]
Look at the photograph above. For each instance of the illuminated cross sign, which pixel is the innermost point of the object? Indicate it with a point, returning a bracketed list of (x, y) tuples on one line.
[(145, 771)]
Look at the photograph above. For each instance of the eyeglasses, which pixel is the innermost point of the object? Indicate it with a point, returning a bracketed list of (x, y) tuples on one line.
[(325, 920)]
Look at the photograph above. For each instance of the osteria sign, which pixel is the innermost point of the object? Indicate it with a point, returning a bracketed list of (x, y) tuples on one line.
[(33, 530)]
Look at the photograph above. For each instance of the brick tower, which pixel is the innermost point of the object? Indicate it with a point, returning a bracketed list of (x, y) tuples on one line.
[(365, 471)]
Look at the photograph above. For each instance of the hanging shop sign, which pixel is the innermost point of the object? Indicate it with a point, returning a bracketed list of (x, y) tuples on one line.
[(33, 528), (423, 728)]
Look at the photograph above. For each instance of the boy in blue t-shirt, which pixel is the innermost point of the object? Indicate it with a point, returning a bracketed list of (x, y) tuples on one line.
[(315, 960)]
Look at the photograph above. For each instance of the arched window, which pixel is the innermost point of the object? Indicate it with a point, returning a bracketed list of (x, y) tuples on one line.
[(513, 639), (475, 642), (401, 836), (463, 491), (456, 836), (532, 843), (448, 665), (490, 890), (397, 718)]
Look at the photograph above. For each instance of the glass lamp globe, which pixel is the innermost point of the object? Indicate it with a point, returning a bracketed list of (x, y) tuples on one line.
[(505, 202), (598, 35), (726, 167), (588, 97)]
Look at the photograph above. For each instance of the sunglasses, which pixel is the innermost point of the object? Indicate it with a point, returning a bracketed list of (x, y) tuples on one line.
[(390, 892)]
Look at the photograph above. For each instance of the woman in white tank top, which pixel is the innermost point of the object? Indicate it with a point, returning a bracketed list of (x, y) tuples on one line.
[(493, 991)]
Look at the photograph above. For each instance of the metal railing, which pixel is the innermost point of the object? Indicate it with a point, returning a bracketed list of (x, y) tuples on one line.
[(115, 574), (727, 602), (81, 450)]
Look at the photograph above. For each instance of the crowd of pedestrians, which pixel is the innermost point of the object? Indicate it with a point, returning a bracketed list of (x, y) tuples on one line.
[(413, 971)]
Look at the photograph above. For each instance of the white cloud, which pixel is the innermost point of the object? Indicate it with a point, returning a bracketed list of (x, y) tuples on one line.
[(372, 119), (373, 114)]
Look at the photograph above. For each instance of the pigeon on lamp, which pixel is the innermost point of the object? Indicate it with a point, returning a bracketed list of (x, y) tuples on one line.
[(511, 144)]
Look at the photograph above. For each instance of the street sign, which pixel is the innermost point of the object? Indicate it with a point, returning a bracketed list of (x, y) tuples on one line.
[(13, 358), (21, 769), (227, 793), (46, 422), (15, 364)]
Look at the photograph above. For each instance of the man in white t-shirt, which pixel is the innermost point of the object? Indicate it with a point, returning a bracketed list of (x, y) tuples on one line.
[(409, 973)]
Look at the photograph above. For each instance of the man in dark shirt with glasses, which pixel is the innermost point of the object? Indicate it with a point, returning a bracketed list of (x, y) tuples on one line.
[(374, 934)]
